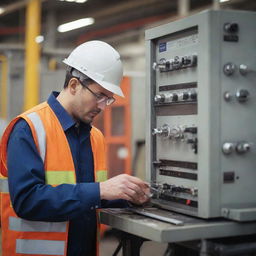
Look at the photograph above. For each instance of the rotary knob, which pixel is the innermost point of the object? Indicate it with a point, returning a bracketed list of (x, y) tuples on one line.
[(176, 133), (229, 69), (177, 62), (161, 65), (227, 96), (242, 147), (163, 131), (243, 69), (193, 95), (228, 148), (159, 98), (185, 96), (174, 97), (242, 95), (231, 27)]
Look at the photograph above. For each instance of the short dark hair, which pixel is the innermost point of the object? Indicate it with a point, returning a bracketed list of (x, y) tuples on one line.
[(74, 73)]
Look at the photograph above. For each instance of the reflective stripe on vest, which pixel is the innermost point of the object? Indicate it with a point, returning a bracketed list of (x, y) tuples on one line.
[(40, 132), (101, 175), (4, 185), (60, 177), (18, 224), (41, 247), (51, 177)]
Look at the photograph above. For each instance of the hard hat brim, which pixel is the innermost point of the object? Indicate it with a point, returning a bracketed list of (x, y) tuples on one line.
[(110, 87)]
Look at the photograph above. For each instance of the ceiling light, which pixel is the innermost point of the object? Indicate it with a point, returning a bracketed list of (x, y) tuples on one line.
[(76, 1), (1, 10), (222, 1), (39, 39), (75, 24)]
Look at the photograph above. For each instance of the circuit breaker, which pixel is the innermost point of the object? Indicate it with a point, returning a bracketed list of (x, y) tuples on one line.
[(201, 109)]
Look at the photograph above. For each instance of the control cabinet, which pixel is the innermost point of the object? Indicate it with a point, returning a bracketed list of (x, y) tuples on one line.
[(201, 114)]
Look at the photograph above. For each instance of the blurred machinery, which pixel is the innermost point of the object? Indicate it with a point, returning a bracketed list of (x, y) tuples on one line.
[(201, 106)]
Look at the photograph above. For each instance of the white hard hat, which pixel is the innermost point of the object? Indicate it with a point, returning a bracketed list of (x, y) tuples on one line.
[(100, 62)]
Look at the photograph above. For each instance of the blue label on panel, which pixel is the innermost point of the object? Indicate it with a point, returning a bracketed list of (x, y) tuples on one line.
[(162, 47)]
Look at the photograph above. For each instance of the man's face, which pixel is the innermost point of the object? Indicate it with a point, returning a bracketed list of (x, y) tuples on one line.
[(85, 106)]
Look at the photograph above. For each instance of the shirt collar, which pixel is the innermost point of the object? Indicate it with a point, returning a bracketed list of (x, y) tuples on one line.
[(64, 118)]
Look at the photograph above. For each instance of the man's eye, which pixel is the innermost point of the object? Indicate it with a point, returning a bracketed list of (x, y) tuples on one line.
[(101, 96)]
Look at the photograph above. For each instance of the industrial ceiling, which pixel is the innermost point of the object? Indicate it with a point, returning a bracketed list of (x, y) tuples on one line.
[(116, 21)]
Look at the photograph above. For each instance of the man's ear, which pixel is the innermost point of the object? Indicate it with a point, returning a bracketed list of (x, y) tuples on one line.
[(73, 85)]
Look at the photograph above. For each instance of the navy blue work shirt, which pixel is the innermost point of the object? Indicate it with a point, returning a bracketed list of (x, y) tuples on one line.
[(32, 199)]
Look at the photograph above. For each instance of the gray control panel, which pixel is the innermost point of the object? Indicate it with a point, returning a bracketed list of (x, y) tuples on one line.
[(201, 108)]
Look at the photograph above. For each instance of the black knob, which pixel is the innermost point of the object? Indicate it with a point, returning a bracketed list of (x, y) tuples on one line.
[(193, 95), (231, 27), (185, 96), (192, 130), (242, 95), (167, 65), (174, 97), (190, 141), (185, 60)]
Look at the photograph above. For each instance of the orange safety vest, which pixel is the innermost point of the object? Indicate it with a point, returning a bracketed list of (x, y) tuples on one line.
[(34, 238)]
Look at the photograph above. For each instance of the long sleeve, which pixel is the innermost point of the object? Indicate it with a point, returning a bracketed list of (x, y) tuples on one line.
[(34, 200)]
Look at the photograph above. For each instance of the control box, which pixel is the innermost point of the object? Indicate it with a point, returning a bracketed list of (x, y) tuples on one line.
[(201, 109)]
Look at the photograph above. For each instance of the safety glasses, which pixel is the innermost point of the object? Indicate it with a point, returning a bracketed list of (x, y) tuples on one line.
[(100, 97)]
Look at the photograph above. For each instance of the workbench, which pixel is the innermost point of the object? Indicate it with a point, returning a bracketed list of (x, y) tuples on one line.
[(137, 228)]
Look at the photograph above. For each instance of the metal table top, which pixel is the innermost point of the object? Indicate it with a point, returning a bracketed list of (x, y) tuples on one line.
[(159, 231)]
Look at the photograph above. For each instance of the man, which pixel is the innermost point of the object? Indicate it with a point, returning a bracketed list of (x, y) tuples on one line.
[(54, 156)]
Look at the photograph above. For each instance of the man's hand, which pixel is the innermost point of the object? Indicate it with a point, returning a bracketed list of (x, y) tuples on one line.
[(125, 187)]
